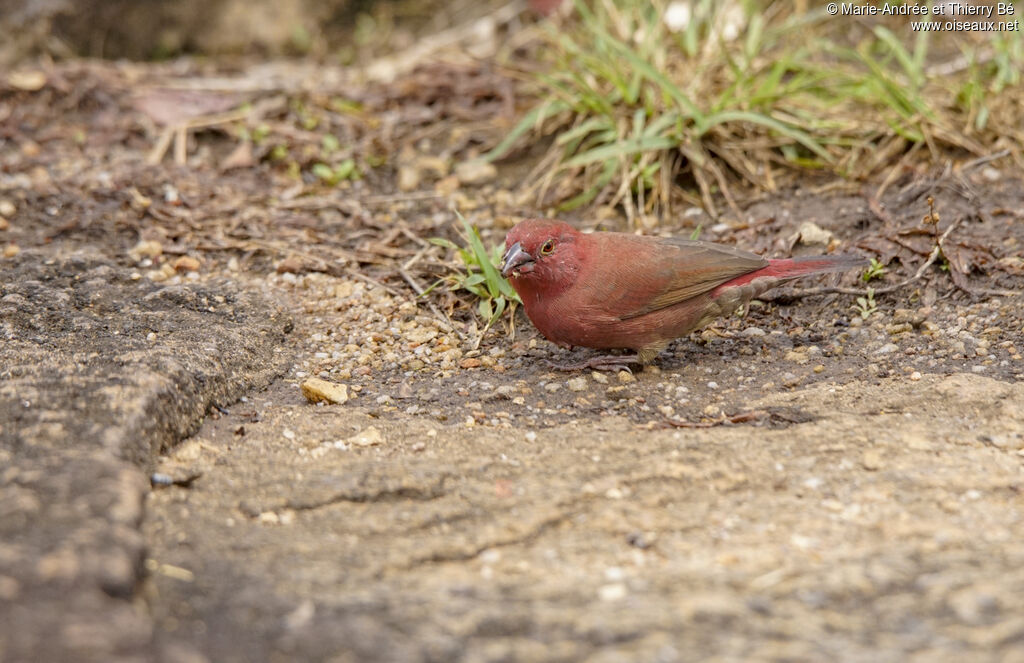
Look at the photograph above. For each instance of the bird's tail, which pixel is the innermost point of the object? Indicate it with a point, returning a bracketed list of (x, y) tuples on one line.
[(789, 268), (745, 287)]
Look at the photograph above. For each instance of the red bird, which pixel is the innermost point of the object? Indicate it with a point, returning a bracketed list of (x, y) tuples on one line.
[(614, 290)]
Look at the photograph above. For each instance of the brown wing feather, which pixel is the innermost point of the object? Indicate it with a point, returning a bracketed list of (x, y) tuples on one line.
[(699, 267)]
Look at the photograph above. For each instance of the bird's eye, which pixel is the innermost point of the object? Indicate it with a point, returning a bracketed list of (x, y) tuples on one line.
[(548, 248)]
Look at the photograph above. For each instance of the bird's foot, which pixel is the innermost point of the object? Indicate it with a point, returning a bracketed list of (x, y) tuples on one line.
[(612, 363)]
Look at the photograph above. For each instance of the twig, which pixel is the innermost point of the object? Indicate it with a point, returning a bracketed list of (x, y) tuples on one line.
[(310, 203), (875, 205), (981, 161), (400, 197), (438, 315), (372, 281), (741, 418)]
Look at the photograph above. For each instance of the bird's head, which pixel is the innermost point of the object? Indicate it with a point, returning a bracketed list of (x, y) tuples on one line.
[(541, 251)]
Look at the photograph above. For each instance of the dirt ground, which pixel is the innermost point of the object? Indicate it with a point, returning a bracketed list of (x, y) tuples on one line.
[(812, 480)]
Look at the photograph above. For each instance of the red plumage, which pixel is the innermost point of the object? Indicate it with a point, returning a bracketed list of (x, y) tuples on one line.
[(614, 290)]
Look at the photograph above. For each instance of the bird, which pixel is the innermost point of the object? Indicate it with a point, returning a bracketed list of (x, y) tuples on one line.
[(612, 290)]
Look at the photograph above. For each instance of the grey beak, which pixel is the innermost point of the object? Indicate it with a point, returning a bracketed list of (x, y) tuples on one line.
[(514, 258)]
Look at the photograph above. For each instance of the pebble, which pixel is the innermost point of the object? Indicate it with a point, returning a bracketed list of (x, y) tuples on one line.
[(798, 355), (811, 233), (148, 248), (186, 264), (753, 332), (7, 208), (368, 437), (475, 171), (11, 250), (316, 390), (872, 460), (790, 379), (612, 592), (577, 384), (408, 178), (599, 377), (504, 391), (887, 349), (626, 376)]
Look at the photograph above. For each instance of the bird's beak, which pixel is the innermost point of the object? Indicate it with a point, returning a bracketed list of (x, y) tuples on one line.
[(516, 260)]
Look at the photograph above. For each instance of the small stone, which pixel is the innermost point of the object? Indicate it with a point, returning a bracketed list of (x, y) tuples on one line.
[(288, 434), (316, 390), (504, 391), (811, 233), (9, 588), (910, 316), (147, 248), (753, 332), (7, 208), (531, 436), (915, 376), (447, 186), (799, 356), (991, 174), (408, 178), (421, 335), (790, 379), (368, 437), (612, 592), (898, 328), (11, 250), (28, 80), (626, 376), (872, 460), (4, 224), (470, 362), (888, 348), (552, 387), (578, 384), (475, 171), (599, 377), (186, 264), (820, 368)]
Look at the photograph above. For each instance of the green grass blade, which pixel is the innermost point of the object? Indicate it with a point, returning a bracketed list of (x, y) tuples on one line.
[(532, 119), (778, 127)]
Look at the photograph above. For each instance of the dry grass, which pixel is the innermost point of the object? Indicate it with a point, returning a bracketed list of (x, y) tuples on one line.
[(754, 93)]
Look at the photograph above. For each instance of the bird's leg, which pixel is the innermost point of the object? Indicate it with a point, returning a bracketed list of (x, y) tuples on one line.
[(602, 363)]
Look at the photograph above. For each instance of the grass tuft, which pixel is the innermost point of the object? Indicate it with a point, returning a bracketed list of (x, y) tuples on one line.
[(480, 277), (641, 96)]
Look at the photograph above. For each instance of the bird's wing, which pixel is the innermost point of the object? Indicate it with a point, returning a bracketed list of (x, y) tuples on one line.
[(692, 268)]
